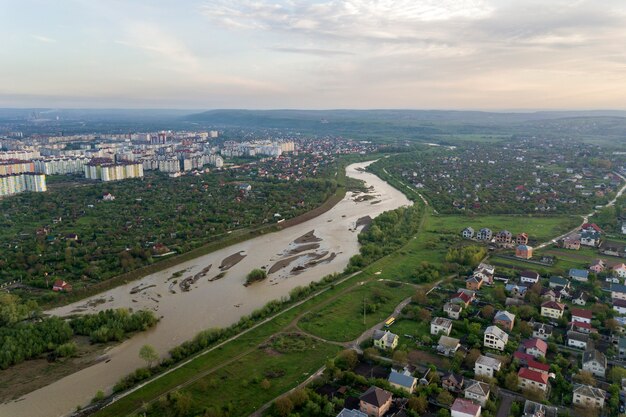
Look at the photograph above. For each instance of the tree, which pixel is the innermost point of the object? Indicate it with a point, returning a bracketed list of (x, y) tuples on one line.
[(149, 354), (511, 381), (616, 374), (445, 398), (347, 359), (471, 357), (487, 312), (255, 275), (284, 406), (400, 357), (585, 377), (418, 404)]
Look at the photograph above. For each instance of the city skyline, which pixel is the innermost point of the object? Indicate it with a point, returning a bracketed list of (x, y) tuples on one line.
[(469, 54)]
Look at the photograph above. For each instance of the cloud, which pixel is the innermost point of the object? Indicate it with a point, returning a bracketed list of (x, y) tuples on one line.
[(171, 52), (43, 39), (311, 51)]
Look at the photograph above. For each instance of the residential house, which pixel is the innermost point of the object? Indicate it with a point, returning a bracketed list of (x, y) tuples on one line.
[(619, 306), (579, 275), (552, 309), (578, 340), (452, 310), (477, 391), (468, 233), (549, 294), (592, 239), (474, 282), (440, 325), (464, 408), (486, 366), (448, 346), (495, 338), (542, 331), (582, 315), (108, 197), (485, 274), (582, 327), (571, 242), (535, 347), (588, 396), (595, 362), (515, 290), (484, 234), (533, 380), (556, 281), (385, 340), (60, 285), (486, 268), (462, 298), (533, 409), (618, 291), (524, 252), (521, 239), (529, 362), (619, 270), (624, 228), (621, 348), (504, 319), (591, 227), (504, 237), (403, 380), (529, 277), (453, 382), (375, 402), (580, 298), (597, 266), (613, 249), (351, 413)]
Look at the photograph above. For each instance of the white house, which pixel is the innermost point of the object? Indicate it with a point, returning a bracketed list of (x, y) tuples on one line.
[(440, 325), (530, 277), (453, 310), (588, 396), (542, 331), (495, 338), (486, 366), (577, 340), (477, 391), (468, 233), (594, 361), (620, 270)]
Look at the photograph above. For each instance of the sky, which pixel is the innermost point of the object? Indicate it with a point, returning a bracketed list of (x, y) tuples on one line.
[(314, 54)]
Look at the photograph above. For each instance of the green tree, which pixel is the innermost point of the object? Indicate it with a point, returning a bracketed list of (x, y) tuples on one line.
[(149, 354)]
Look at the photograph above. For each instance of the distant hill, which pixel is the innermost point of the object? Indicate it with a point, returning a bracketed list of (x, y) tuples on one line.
[(610, 125)]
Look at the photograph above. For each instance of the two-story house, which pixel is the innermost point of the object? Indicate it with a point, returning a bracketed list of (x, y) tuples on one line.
[(552, 309), (595, 362), (486, 366), (495, 338), (375, 402), (440, 325)]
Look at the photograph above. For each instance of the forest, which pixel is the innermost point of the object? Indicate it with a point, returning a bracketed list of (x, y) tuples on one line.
[(71, 233), (25, 333)]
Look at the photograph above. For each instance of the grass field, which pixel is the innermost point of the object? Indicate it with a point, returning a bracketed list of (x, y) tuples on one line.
[(239, 383), (409, 327), (539, 229), (342, 319)]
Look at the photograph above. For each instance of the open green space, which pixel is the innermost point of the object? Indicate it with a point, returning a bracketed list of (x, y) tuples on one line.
[(342, 319), (271, 369)]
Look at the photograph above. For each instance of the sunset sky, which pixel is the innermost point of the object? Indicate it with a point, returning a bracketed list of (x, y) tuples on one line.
[(420, 54)]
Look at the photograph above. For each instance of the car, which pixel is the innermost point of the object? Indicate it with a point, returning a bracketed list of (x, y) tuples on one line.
[(621, 408)]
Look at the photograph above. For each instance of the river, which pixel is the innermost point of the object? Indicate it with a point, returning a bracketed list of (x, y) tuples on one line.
[(216, 303)]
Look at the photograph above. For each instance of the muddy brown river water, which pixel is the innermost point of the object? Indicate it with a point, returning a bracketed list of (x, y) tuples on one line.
[(212, 302)]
